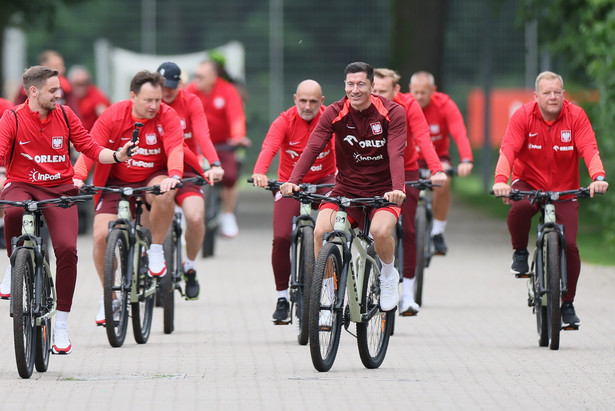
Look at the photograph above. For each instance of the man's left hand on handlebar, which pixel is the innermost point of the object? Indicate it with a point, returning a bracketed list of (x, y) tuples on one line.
[(598, 187), (260, 180), (395, 196), (464, 169), (438, 179), (216, 173), (168, 184), (287, 189)]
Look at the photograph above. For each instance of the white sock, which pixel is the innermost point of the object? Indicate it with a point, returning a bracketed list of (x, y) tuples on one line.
[(155, 248), (408, 287), (388, 269), (438, 227), (283, 294), (189, 264), (61, 319)]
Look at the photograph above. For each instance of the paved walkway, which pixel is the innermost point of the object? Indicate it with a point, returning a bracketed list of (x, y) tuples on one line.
[(473, 345)]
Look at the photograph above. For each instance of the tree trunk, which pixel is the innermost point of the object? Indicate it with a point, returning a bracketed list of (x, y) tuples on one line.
[(418, 38)]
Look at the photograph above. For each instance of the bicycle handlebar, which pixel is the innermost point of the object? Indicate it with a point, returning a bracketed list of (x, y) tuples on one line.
[(377, 201), (124, 191), (541, 195), (33, 205), (422, 184), (273, 185)]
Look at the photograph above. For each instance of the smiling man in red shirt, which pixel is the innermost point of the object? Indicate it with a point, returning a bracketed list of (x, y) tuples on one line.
[(34, 144), (541, 148)]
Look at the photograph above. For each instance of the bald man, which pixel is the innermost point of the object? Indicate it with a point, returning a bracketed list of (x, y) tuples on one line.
[(288, 135)]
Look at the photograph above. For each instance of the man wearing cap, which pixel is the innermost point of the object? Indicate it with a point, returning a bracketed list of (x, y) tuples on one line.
[(190, 196)]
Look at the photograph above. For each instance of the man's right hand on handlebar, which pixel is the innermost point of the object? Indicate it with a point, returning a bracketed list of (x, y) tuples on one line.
[(260, 180), (287, 189), (439, 178), (502, 190)]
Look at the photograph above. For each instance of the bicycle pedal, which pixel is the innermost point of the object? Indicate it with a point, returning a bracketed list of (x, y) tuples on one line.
[(277, 322), (522, 275), (408, 314), (570, 327)]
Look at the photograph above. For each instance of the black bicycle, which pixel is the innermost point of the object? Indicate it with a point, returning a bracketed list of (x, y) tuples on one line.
[(301, 257), (33, 295), (547, 279), (172, 248)]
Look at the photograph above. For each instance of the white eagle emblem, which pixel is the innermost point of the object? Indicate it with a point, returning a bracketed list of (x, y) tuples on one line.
[(376, 128), (57, 142), (150, 139), (566, 136)]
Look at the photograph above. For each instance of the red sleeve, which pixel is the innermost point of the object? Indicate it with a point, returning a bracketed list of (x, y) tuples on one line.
[(235, 113), (173, 142), (100, 133), (512, 143), (81, 139), (396, 145), (587, 146), (271, 145), (200, 128), (420, 131), (7, 135), (457, 129)]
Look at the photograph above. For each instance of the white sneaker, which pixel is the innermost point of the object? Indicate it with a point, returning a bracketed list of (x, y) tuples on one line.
[(61, 342), (407, 306), (228, 225), (100, 317), (389, 291), (157, 264), (5, 287), (325, 320)]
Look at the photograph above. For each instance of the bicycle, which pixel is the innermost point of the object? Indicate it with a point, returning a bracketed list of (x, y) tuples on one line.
[(125, 270), (172, 247), (547, 279), (301, 257), (334, 273), (33, 294)]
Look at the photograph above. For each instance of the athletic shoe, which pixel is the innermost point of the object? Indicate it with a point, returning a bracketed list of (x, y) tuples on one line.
[(389, 291), (439, 246), (325, 320), (281, 315), (157, 264), (61, 342), (569, 317), (5, 287), (407, 306), (100, 317), (228, 225), (519, 264), (193, 288)]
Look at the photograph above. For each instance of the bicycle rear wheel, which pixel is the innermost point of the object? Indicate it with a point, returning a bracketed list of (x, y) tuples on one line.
[(22, 300), (554, 293), (143, 309), (167, 283), (43, 331), (373, 334), (325, 320), (304, 266), (116, 287), (422, 251)]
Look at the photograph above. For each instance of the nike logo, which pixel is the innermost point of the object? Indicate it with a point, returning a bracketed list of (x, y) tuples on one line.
[(293, 143), (533, 134), (111, 141), (123, 138), (21, 143), (350, 127)]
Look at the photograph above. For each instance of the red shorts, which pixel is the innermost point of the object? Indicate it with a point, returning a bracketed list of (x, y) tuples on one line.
[(188, 189), (108, 201)]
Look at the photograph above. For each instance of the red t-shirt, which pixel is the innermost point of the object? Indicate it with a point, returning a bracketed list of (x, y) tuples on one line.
[(4, 105), (194, 123), (88, 106), (161, 142), (546, 154), (369, 147), (444, 119), (224, 111), (38, 151), (289, 134)]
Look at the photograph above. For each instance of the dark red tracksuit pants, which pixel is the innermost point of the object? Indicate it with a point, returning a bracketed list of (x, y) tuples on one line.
[(408, 213), (566, 213), (284, 209), (63, 227)]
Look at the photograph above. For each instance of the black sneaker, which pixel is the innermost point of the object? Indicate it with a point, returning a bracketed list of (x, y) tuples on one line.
[(192, 285), (569, 317), (519, 264), (439, 246), (281, 315)]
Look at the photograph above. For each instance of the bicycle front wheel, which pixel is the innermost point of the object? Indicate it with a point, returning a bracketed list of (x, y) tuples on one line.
[(373, 333), (22, 300), (422, 252), (304, 265), (554, 293), (167, 283), (143, 309), (326, 309), (43, 331), (116, 287)]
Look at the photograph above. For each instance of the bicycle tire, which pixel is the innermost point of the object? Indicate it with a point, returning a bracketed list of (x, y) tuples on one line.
[(43, 331), (422, 251), (305, 268), (554, 288), (143, 310), (373, 335), (22, 300), (116, 287), (324, 341), (539, 310), (167, 283), (212, 210)]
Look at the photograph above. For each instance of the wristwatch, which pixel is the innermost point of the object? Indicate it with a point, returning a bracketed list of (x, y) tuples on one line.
[(216, 164), (599, 178)]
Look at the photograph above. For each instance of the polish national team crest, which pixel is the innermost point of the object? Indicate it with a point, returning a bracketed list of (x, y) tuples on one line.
[(160, 130), (376, 127), (57, 142), (434, 129), (566, 136), (150, 139), (183, 121)]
